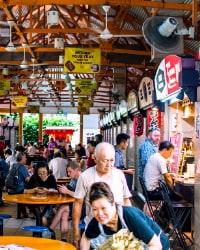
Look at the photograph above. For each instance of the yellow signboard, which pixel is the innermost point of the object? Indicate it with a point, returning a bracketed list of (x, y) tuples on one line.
[(4, 87), (85, 87), (82, 60), (84, 102), (19, 101)]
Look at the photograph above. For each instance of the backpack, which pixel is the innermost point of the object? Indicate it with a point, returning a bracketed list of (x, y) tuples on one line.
[(1, 175), (11, 181)]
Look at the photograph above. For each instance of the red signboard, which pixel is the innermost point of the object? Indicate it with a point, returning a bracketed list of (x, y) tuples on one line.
[(153, 118), (168, 76)]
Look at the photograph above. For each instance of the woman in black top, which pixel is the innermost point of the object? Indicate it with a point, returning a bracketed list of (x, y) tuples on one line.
[(40, 182)]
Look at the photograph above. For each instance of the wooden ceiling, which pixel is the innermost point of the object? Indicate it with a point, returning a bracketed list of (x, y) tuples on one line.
[(125, 60)]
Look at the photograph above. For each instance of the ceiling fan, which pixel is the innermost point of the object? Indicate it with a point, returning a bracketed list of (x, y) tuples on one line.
[(10, 46), (106, 34)]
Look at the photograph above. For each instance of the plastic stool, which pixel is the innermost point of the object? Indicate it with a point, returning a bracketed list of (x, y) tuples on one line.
[(82, 226), (2, 217), (36, 230)]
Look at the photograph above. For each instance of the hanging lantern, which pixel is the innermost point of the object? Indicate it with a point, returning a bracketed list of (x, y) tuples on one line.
[(52, 17), (5, 71), (59, 43), (61, 59), (138, 125)]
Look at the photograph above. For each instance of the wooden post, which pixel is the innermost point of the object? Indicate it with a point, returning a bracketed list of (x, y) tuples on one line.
[(20, 134), (81, 128), (40, 134)]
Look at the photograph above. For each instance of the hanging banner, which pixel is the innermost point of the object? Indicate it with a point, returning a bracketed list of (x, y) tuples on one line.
[(138, 125), (83, 105), (82, 60), (177, 141), (19, 101), (85, 87), (153, 118), (4, 87)]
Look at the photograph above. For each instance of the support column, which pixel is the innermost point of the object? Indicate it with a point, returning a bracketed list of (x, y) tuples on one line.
[(20, 134), (81, 128), (40, 133)]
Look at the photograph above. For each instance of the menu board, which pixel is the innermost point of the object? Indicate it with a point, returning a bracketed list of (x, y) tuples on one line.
[(177, 141)]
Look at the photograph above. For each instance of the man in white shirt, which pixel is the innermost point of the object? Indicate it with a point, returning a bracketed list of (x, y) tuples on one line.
[(103, 171), (58, 166)]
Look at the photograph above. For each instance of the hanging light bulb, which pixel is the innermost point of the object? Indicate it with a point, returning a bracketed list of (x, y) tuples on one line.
[(61, 59), (5, 71)]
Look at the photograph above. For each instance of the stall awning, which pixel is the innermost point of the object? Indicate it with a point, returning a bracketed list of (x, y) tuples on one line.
[(59, 130)]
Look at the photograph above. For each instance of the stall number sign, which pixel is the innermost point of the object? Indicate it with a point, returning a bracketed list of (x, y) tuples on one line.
[(167, 78)]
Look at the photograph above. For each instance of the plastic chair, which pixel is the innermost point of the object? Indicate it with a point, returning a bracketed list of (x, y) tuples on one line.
[(153, 205), (36, 230), (178, 213), (2, 217)]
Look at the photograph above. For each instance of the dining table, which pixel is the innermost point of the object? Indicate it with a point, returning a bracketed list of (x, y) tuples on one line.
[(186, 188), (42, 201), (32, 243)]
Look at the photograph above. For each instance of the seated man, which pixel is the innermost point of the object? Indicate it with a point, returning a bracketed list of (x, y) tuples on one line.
[(156, 169), (62, 214)]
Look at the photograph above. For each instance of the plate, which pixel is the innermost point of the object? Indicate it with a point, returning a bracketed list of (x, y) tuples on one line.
[(38, 198)]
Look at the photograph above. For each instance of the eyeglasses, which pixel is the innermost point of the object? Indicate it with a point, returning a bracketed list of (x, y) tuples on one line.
[(43, 173)]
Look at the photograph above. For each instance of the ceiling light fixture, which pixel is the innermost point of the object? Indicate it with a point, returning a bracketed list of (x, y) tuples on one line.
[(59, 43), (52, 16)]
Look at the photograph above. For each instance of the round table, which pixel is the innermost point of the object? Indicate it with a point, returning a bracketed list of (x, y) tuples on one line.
[(34, 199), (36, 243)]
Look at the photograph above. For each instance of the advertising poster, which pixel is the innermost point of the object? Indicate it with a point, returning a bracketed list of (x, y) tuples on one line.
[(82, 60), (20, 101), (85, 87)]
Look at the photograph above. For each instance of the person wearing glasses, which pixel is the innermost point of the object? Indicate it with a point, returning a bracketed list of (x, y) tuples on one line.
[(104, 170), (40, 182)]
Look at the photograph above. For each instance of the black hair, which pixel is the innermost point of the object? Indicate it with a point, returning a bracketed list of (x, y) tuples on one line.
[(98, 138), (8, 152), (165, 145), (57, 154), (122, 138), (92, 143), (100, 190), (20, 156)]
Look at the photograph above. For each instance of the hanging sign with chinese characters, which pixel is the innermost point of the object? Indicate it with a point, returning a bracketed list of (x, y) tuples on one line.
[(4, 87), (153, 118), (138, 123), (146, 93), (85, 87), (83, 105), (168, 76), (82, 60)]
